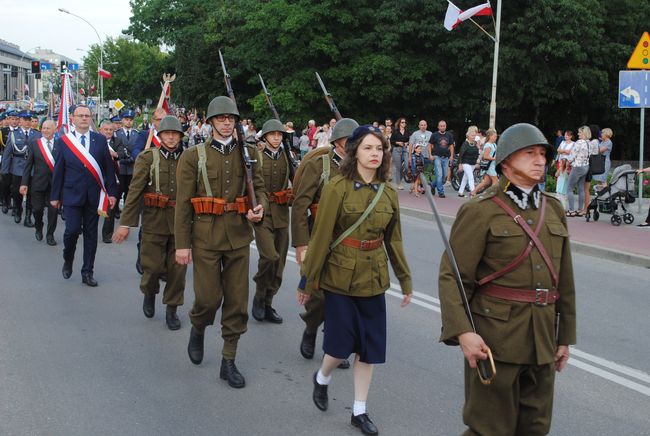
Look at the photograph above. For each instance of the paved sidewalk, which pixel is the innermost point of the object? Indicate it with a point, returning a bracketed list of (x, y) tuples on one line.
[(626, 243)]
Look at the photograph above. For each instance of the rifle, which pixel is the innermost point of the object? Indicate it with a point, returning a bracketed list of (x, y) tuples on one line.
[(241, 139), (486, 369), (291, 158), (329, 99)]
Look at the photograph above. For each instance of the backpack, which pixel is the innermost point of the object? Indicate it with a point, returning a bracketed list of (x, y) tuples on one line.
[(320, 151)]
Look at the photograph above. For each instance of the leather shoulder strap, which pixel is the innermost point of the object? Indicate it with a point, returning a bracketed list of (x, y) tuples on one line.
[(203, 171), (361, 219)]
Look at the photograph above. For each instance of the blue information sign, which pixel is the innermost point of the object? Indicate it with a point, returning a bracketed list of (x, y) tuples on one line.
[(45, 66), (73, 67), (633, 89)]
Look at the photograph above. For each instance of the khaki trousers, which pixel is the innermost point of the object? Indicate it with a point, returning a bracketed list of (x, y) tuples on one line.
[(157, 256)]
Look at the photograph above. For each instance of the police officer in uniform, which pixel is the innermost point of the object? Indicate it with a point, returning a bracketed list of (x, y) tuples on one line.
[(213, 230), (303, 214), (521, 293), (125, 139), (272, 233), (154, 179), (14, 160)]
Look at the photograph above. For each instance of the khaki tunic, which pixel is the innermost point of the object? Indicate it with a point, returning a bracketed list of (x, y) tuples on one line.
[(158, 249), (220, 244), (347, 270), (272, 233), (521, 335)]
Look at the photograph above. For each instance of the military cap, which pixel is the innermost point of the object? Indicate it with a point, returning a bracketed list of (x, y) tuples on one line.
[(128, 114), (25, 114), (116, 119), (12, 113)]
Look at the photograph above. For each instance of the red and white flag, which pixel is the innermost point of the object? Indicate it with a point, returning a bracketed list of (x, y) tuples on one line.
[(65, 104), (168, 92), (455, 16), (103, 73)]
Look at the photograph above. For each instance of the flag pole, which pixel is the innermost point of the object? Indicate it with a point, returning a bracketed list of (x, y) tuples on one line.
[(484, 31), (495, 68)]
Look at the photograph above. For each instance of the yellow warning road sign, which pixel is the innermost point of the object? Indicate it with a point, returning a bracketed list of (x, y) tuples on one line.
[(640, 58)]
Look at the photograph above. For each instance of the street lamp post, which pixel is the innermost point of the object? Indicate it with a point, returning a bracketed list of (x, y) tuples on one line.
[(101, 61)]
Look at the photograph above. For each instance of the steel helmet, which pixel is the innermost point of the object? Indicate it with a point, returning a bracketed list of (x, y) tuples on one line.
[(520, 136), (272, 125), (170, 122), (343, 128), (220, 106)]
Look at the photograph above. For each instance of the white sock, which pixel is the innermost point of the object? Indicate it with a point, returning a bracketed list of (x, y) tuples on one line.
[(321, 379), (359, 408)]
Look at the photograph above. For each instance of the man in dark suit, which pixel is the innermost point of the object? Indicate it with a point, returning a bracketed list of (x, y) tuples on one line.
[(5, 179), (106, 128), (84, 183), (38, 172), (125, 139)]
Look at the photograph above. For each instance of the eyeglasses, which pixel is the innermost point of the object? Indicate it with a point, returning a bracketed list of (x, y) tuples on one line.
[(222, 118), (83, 116)]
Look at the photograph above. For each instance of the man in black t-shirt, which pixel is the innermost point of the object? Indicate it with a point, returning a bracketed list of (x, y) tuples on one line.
[(441, 150)]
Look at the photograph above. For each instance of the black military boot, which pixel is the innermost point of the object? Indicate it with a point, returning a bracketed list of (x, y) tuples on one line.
[(230, 372), (271, 315), (195, 346), (18, 214), (67, 269), (308, 344), (28, 219), (258, 308), (149, 305), (319, 395), (38, 233), (173, 323)]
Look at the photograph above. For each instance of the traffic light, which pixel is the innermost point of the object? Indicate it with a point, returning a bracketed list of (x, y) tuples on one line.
[(37, 76), (36, 67), (64, 65)]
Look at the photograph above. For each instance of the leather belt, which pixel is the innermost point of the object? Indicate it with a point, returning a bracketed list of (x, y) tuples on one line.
[(540, 297), (363, 245)]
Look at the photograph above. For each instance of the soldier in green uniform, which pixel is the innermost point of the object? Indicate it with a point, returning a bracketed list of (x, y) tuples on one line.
[(272, 233), (316, 174), (513, 253), (214, 230), (359, 216), (154, 179)]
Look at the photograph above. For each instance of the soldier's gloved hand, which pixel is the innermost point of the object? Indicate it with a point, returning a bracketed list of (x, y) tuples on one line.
[(255, 215), (121, 235), (473, 347), (561, 357), (184, 256)]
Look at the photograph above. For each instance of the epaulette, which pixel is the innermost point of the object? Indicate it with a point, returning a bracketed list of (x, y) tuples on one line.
[(489, 193)]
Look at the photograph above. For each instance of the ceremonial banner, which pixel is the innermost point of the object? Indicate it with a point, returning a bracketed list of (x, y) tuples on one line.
[(92, 166), (47, 154), (455, 16), (65, 104)]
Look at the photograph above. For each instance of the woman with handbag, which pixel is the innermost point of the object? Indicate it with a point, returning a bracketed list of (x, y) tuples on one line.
[(605, 149), (467, 158), (579, 160), (347, 259)]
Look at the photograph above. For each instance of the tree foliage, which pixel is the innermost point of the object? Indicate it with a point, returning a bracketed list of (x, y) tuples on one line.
[(558, 63)]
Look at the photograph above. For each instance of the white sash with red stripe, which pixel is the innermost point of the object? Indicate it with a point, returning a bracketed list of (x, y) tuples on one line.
[(92, 166), (47, 154)]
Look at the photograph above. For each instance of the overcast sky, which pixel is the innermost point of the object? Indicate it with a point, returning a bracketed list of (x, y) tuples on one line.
[(31, 23)]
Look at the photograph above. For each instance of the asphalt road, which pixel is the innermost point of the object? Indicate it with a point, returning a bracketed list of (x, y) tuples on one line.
[(76, 360)]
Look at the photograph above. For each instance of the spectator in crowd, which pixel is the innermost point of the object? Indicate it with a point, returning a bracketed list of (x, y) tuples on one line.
[(420, 136), (375, 124), (332, 123), (294, 140), (605, 148), (559, 138), (441, 150), (388, 132), (467, 158), (489, 154), (579, 160), (322, 137), (646, 223), (251, 133), (304, 143), (388, 122), (399, 142), (594, 145), (417, 162), (563, 166), (311, 131)]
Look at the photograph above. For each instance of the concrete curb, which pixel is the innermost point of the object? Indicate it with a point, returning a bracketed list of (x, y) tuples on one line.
[(576, 246)]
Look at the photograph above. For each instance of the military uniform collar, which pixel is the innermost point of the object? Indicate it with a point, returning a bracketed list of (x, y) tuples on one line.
[(223, 147), (360, 183), (521, 198), (336, 157), (171, 154), (275, 155)]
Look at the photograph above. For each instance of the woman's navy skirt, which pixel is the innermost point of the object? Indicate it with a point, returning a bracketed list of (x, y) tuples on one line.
[(355, 325)]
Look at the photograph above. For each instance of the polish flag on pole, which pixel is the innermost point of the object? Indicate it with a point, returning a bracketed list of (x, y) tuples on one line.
[(65, 104), (455, 16), (168, 92), (103, 73)]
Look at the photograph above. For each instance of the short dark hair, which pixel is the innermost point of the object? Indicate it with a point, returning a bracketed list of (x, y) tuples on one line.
[(349, 164)]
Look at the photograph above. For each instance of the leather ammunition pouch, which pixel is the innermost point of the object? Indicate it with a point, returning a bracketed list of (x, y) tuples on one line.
[(160, 201), (219, 206), (281, 197)]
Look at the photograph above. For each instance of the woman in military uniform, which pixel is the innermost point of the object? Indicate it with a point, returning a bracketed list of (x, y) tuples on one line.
[(358, 216)]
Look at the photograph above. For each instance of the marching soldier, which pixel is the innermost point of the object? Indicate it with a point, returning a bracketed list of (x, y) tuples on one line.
[(512, 248), (14, 160), (272, 233), (213, 229), (154, 179), (37, 178)]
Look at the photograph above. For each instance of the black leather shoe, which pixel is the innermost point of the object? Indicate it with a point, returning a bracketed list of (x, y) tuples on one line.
[(320, 395), (28, 220), (258, 311), (138, 267), (230, 372), (149, 305), (88, 279), (5, 209), (441, 195), (67, 270), (173, 323), (345, 364), (308, 344), (195, 346), (271, 315), (107, 240), (364, 423), (38, 234), (18, 217), (50, 240)]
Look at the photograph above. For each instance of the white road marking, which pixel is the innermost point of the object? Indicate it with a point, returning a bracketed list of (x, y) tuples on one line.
[(577, 356)]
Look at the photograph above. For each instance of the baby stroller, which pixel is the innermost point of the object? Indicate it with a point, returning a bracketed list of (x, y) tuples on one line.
[(619, 192)]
